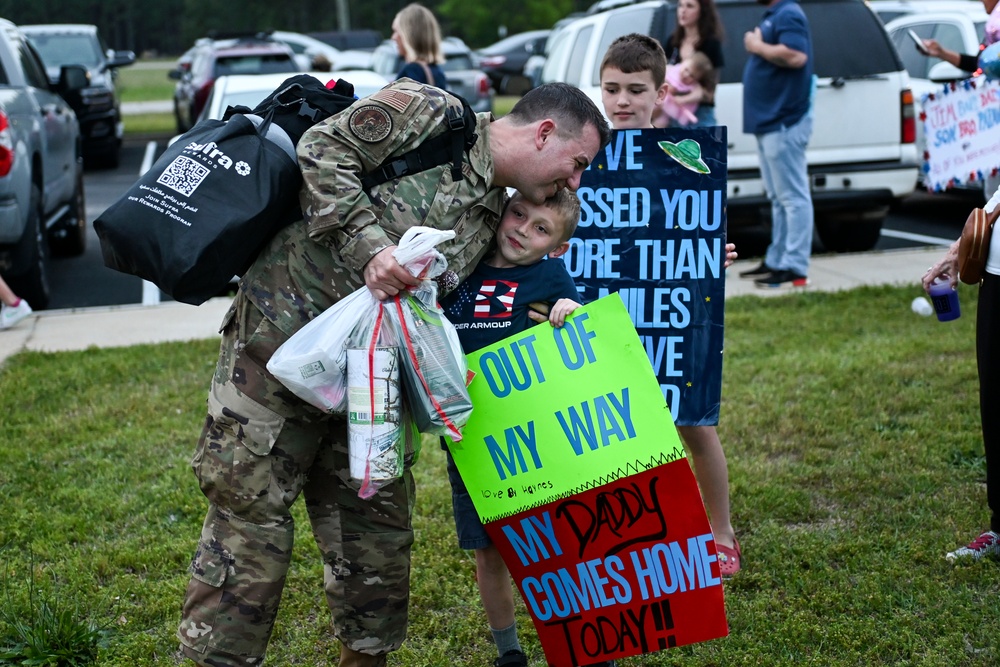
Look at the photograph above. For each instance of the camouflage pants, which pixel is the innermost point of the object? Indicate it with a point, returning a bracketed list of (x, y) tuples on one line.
[(262, 446)]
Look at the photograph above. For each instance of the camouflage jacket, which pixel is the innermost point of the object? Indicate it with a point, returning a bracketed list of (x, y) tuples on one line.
[(312, 263)]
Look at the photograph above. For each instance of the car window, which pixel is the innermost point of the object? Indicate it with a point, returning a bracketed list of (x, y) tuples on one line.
[(384, 60), (917, 65), (870, 50), (580, 46), (503, 45), (34, 71), (67, 49), (558, 52), (457, 62), (619, 23), (254, 64)]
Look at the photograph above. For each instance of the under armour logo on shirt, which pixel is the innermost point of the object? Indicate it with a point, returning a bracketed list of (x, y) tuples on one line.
[(495, 299)]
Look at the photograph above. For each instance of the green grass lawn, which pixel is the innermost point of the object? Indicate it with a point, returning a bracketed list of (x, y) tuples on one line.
[(852, 433)]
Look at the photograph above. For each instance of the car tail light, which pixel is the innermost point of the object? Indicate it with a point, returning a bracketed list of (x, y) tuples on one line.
[(484, 86), (909, 121), (6, 146), (201, 96), (492, 61)]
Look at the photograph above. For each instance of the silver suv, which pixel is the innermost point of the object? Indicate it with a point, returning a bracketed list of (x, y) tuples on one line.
[(862, 155)]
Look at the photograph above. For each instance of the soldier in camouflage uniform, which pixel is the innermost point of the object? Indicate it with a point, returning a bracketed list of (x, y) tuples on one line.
[(261, 446)]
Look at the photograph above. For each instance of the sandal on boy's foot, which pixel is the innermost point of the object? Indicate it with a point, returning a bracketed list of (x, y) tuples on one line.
[(987, 544), (729, 559), (512, 658)]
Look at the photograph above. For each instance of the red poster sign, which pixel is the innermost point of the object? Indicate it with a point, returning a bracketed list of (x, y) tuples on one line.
[(626, 568)]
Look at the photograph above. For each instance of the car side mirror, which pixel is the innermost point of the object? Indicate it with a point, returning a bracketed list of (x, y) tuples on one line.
[(121, 59), (944, 72), (72, 78), (175, 74)]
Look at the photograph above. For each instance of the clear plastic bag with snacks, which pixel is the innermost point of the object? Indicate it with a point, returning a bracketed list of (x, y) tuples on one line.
[(312, 363), (434, 368)]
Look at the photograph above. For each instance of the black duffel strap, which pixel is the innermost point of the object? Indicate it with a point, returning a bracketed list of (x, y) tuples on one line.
[(446, 147)]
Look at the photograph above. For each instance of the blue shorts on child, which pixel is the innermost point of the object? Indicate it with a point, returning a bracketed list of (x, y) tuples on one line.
[(470, 530)]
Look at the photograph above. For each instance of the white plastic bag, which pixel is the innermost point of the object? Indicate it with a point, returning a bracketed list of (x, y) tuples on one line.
[(313, 362)]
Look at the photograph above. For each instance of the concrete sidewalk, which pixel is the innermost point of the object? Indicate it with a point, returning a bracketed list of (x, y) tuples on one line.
[(117, 326)]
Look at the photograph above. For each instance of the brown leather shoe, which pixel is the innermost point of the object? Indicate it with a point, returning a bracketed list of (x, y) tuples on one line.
[(349, 658)]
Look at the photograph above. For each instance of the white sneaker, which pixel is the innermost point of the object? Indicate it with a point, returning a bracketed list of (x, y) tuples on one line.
[(987, 544), (11, 315)]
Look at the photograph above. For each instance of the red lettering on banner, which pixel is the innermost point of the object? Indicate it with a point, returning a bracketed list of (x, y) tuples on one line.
[(627, 568), (966, 128), (941, 115)]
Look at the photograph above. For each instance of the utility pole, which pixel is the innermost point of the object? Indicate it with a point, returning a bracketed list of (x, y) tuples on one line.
[(343, 15)]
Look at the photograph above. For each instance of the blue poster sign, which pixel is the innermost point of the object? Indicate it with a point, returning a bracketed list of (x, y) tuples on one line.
[(653, 229)]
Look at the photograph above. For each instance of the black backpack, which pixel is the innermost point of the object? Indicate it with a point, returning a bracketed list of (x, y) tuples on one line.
[(202, 213), (302, 101)]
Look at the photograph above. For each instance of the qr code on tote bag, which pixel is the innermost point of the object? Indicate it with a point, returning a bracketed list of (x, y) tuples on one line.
[(183, 175)]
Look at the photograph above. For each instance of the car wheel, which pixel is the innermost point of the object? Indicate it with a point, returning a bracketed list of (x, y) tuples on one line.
[(69, 237), (177, 118), (32, 284), (851, 232)]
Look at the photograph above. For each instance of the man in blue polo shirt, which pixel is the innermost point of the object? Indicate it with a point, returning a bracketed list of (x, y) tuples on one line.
[(777, 86)]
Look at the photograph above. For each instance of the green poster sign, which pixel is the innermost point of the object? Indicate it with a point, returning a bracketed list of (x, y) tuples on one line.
[(560, 411)]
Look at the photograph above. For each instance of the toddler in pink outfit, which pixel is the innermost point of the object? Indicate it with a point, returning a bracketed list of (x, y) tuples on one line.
[(685, 82)]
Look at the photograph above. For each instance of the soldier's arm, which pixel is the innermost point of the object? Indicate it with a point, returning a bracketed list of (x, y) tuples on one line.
[(334, 154)]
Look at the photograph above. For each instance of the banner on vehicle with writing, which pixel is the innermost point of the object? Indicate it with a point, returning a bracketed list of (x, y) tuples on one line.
[(653, 229), (961, 124), (576, 469)]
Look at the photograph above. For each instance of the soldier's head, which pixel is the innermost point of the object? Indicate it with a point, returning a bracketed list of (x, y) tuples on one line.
[(528, 232), (417, 35), (565, 130)]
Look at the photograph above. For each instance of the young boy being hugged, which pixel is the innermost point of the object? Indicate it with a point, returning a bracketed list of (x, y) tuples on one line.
[(490, 305), (632, 87)]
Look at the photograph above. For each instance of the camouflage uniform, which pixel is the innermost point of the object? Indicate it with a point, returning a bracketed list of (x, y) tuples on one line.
[(261, 446)]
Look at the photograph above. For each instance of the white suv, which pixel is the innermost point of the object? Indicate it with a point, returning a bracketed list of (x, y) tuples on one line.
[(862, 156)]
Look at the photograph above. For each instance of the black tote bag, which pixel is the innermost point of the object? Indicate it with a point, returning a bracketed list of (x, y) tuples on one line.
[(206, 207)]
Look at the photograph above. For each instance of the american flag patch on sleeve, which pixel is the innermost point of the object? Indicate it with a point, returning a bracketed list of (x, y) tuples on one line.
[(396, 99)]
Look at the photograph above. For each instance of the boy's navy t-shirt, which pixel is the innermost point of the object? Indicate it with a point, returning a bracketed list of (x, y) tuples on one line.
[(492, 303)]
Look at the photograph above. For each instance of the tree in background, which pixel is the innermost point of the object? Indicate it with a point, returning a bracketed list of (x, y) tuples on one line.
[(169, 27), (478, 23)]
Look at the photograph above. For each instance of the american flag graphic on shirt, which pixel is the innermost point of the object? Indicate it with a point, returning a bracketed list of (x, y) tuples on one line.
[(495, 299)]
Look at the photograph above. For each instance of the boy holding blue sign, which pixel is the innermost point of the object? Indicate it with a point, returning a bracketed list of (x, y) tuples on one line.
[(490, 305), (632, 73)]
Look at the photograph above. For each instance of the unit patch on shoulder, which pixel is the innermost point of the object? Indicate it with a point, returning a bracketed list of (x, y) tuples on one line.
[(370, 123), (397, 99)]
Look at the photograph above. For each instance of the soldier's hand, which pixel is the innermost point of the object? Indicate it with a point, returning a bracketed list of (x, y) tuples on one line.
[(386, 277)]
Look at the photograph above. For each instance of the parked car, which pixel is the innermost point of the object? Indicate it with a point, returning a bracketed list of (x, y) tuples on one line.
[(41, 167), (959, 29), (504, 61), (889, 10), (350, 40), (97, 105), (862, 156), (306, 48), (250, 90), (212, 58), (461, 68)]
